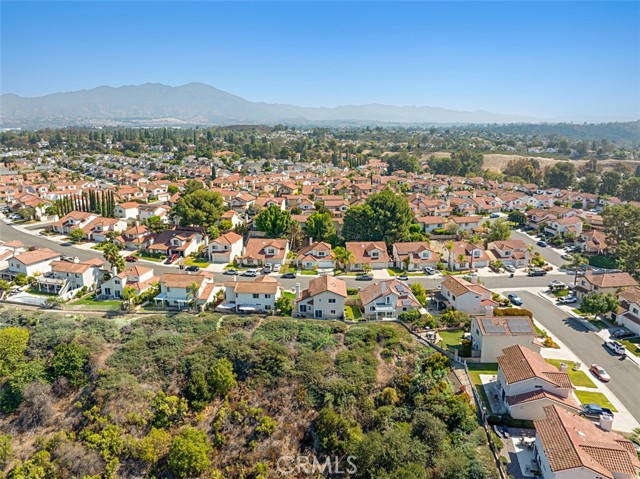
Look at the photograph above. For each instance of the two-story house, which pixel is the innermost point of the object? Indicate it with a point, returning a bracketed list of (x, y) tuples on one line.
[(262, 251), (372, 254), (466, 296), (323, 299), (510, 252), (527, 384), (179, 242), (628, 315), (604, 283), (149, 211), (414, 256), (465, 223), (431, 223), (183, 291), (491, 334), (464, 255), (256, 296), (138, 277), (36, 261), (72, 221), (136, 237), (128, 210), (68, 276), (563, 226), (387, 299), (316, 256), (592, 242), (568, 446), (225, 248)]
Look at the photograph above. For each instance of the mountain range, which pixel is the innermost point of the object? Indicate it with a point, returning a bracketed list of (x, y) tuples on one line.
[(154, 104)]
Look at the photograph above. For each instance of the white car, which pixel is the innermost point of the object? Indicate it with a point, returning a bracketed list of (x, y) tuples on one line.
[(510, 268), (276, 267), (616, 347), (251, 273), (15, 217), (568, 300)]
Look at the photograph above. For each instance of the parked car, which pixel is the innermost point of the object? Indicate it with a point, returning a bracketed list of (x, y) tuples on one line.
[(172, 259), (131, 259), (621, 333), (232, 272), (567, 257), (542, 244), (193, 269), (364, 277), (15, 216), (276, 267), (429, 271), (616, 347), (68, 258), (594, 411), (494, 215), (515, 299), (251, 272), (570, 299), (600, 373), (403, 277), (556, 284), (289, 276), (536, 272), (510, 268)]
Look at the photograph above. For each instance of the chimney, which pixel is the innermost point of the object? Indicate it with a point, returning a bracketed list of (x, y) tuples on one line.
[(310, 240), (297, 290), (76, 259), (563, 367), (488, 311), (606, 422), (114, 271), (474, 280), (137, 222)]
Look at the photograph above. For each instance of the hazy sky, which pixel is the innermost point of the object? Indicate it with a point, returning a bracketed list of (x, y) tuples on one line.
[(547, 59)]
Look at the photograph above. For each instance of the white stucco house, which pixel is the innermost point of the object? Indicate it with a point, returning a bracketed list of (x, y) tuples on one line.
[(323, 299), (225, 248), (490, 335)]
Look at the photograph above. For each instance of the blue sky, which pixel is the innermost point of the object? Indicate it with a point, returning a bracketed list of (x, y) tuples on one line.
[(547, 59)]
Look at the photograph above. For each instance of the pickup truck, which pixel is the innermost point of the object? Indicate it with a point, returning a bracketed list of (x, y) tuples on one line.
[(594, 411)]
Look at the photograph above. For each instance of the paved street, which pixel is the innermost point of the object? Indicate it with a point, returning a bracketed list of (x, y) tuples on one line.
[(549, 253), (589, 348)]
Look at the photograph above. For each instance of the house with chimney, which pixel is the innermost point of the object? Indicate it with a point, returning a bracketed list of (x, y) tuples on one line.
[(180, 242), (527, 383), (467, 296), (323, 299), (568, 446), (491, 334)]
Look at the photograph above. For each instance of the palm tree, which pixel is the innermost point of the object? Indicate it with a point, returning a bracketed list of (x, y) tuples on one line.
[(192, 290), (343, 256), (576, 261), (128, 295), (461, 258), (530, 249), (449, 246)]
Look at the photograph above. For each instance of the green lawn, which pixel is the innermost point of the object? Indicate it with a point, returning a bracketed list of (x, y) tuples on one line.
[(352, 313), (155, 259), (99, 246), (288, 294), (632, 345), (560, 293), (588, 397), (451, 339), (475, 370), (602, 261), (578, 378), (90, 303), (310, 272), (36, 292), (201, 262)]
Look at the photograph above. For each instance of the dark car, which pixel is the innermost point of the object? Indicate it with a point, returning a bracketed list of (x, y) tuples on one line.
[(193, 269), (542, 244), (536, 272), (131, 259), (594, 411), (364, 277), (515, 299), (289, 276)]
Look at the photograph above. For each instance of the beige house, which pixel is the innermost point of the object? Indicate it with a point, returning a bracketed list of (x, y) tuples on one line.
[(568, 446), (628, 315), (225, 248), (372, 254), (262, 251), (465, 296), (414, 256), (323, 299), (527, 384), (491, 334), (387, 299), (604, 283), (510, 252), (128, 210), (317, 255), (79, 275), (464, 255)]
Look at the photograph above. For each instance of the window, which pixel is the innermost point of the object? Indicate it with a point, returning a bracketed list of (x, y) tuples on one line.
[(267, 296), (332, 300), (319, 300), (303, 308), (372, 308), (117, 281), (256, 295), (333, 311)]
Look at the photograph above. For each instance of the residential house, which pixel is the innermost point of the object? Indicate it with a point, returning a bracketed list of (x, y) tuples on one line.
[(491, 334), (628, 315), (464, 223), (510, 252), (372, 254), (527, 384), (387, 299), (32, 262), (431, 223), (225, 248), (72, 221), (256, 296), (140, 278), (465, 255), (136, 237), (604, 283), (262, 251), (66, 276), (463, 295), (316, 256), (323, 299), (185, 290), (563, 226), (593, 242), (149, 211), (100, 228), (233, 217), (128, 210), (568, 446), (179, 242), (414, 256)]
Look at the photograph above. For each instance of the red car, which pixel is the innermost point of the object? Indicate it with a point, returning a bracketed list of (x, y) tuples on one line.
[(172, 259), (600, 373), (131, 259)]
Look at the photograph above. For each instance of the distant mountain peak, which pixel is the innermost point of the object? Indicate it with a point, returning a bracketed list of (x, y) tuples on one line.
[(202, 104)]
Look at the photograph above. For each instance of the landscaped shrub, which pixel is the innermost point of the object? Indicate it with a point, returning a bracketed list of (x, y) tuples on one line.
[(409, 316), (513, 312)]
